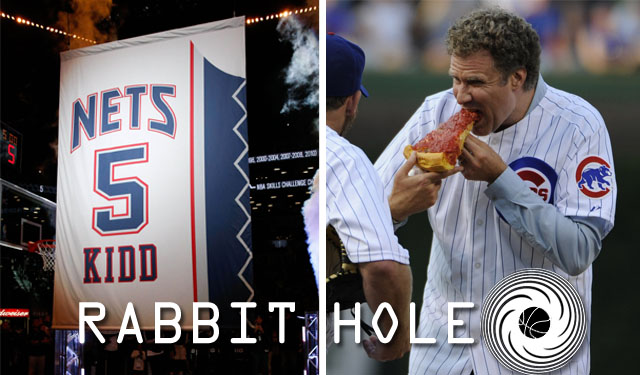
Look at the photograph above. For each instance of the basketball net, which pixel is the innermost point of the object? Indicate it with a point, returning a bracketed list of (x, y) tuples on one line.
[(47, 250)]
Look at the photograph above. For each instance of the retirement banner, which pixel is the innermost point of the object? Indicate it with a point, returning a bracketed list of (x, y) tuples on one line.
[(153, 188)]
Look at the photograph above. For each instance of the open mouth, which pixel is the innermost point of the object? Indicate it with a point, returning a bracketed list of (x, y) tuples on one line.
[(478, 112), (480, 117)]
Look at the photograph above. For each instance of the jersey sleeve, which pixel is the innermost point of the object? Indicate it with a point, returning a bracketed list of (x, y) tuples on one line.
[(587, 183), (571, 243), (357, 207)]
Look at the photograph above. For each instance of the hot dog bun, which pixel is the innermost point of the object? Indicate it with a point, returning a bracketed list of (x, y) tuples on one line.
[(429, 161)]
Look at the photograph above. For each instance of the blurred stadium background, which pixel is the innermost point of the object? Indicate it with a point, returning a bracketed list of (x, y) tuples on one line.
[(590, 48)]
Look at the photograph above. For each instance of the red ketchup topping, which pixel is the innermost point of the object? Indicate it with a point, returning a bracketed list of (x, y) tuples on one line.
[(445, 138)]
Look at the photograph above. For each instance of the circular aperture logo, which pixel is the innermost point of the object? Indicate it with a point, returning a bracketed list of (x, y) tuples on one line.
[(533, 321), (593, 177)]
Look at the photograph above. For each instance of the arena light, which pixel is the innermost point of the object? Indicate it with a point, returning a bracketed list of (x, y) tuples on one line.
[(249, 21), (24, 21), (283, 14)]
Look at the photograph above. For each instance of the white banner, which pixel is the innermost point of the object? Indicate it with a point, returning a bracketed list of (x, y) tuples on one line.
[(134, 196)]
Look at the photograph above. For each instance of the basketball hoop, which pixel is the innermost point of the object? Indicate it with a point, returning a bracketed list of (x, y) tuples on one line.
[(47, 250)]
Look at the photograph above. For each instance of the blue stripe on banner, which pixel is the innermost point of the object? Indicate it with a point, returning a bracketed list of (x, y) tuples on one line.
[(227, 192)]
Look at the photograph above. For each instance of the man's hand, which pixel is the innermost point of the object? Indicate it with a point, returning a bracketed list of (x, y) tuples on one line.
[(413, 194), (480, 162), (388, 281), (381, 352)]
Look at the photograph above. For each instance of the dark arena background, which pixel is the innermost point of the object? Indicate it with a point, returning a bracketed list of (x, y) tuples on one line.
[(282, 104), (591, 49)]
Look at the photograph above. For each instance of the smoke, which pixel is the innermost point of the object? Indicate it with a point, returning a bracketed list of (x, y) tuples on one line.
[(302, 72), (311, 214), (89, 19)]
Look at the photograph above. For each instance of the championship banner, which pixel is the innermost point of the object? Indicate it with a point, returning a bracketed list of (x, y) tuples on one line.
[(153, 187)]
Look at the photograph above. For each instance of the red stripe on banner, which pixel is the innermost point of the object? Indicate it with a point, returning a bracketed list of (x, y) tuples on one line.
[(193, 204)]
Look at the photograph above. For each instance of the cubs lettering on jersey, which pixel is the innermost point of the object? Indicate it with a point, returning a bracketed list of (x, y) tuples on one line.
[(540, 176)]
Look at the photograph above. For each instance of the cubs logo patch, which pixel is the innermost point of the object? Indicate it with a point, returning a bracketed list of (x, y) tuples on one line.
[(538, 175), (593, 177)]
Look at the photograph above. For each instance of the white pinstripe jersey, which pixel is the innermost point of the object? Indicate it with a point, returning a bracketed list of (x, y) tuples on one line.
[(473, 247), (357, 206)]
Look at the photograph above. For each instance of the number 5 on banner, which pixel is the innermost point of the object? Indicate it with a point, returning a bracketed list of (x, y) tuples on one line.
[(133, 190)]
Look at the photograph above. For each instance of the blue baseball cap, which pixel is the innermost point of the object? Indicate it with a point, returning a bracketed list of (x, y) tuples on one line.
[(345, 63)]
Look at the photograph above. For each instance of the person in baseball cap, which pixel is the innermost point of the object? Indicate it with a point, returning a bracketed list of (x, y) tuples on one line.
[(354, 191), (345, 64)]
